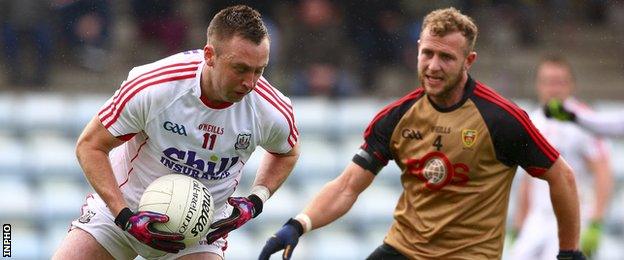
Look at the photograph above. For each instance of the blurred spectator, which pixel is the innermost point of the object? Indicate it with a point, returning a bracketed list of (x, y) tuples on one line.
[(26, 24), (160, 20), (86, 28), (378, 31), (318, 53)]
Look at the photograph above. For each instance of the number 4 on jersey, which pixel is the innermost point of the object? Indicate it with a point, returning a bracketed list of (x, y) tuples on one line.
[(438, 143)]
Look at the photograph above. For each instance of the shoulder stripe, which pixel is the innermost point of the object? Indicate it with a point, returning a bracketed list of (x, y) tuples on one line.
[(117, 112), (292, 137), (524, 120), (411, 96), (285, 105), (126, 87)]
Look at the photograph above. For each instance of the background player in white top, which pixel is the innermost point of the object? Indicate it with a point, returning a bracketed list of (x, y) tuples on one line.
[(585, 153), (199, 113)]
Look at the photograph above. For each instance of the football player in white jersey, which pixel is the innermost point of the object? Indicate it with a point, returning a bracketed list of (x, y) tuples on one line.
[(586, 154), (198, 113)]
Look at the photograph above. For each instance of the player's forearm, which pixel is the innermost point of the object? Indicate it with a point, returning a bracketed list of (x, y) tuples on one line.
[(98, 171), (331, 203), (565, 203), (274, 169)]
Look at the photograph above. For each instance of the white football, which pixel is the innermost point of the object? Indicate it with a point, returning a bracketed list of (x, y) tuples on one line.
[(186, 201)]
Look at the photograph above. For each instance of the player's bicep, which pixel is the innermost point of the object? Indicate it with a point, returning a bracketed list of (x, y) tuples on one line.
[(559, 170), (96, 136)]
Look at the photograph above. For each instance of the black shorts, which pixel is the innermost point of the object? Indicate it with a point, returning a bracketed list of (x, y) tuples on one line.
[(386, 252)]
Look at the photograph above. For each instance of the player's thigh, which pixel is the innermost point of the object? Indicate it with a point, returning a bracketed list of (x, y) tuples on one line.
[(81, 245), (201, 256)]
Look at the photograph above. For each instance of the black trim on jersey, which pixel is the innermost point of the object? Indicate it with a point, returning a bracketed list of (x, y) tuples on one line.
[(468, 88), (512, 144), (375, 152)]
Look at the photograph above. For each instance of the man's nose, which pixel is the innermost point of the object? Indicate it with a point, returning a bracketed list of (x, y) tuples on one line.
[(248, 81), (435, 63)]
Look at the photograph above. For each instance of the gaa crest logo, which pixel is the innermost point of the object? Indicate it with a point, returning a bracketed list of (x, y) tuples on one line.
[(469, 137), (437, 171), (242, 141)]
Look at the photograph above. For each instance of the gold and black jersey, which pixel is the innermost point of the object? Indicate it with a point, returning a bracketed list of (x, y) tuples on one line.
[(457, 166)]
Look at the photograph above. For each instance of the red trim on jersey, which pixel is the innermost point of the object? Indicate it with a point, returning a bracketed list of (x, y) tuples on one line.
[(123, 91), (520, 116), (288, 120), (412, 95), (126, 137), (214, 105), (131, 160), (263, 83), (536, 171), (137, 90), (125, 87)]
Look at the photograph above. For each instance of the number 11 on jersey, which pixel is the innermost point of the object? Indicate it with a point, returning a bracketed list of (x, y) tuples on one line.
[(209, 141)]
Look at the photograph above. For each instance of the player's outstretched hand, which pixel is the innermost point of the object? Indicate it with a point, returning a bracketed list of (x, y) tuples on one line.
[(286, 238), (244, 210), (590, 238), (139, 225), (570, 255), (554, 109)]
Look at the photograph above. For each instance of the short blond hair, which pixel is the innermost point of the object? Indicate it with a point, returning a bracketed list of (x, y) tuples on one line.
[(444, 21)]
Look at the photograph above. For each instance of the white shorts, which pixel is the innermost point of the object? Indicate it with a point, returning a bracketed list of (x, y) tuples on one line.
[(98, 221)]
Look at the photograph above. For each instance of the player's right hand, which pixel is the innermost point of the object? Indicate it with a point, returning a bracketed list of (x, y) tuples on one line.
[(554, 109), (139, 225), (286, 238)]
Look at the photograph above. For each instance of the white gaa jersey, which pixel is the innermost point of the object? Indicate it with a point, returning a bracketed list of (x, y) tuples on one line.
[(171, 130), (575, 145)]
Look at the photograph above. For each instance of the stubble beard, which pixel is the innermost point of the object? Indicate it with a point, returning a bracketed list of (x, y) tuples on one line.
[(447, 89)]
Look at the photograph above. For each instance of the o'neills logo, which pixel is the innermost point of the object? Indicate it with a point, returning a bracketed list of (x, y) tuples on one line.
[(204, 219), (192, 209)]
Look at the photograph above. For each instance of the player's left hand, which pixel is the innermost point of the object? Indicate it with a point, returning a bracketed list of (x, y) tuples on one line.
[(570, 255), (244, 210), (590, 238)]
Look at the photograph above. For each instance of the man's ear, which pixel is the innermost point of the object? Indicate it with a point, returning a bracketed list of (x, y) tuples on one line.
[(209, 54), (470, 59)]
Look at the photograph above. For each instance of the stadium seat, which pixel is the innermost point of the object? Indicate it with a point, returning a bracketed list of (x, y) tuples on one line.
[(13, 154), (84, 108), (52, 154), (25, 242), (43, 111), (17, 198), (60, 199)]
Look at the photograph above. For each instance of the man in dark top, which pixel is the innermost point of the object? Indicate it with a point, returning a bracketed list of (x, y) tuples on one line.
[(458, 144)]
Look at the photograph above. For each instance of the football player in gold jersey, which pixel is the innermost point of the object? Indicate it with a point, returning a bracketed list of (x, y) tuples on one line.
[(458, 144)]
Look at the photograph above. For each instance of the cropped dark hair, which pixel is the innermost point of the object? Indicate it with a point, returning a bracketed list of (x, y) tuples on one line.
[(238, 20)]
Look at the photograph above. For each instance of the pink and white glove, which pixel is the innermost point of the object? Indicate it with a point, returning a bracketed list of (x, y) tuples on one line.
[(140, 226), (244, 210)]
